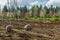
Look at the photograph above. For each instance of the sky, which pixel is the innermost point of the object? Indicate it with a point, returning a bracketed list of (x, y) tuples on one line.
[(30, 3)]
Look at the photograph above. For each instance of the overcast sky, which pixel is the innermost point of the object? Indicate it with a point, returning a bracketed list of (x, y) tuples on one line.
[(32, 2)]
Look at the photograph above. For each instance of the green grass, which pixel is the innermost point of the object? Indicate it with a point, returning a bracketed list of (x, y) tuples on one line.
[(53, 18)]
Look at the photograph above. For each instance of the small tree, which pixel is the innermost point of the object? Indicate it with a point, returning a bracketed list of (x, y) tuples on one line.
[(5, 9), (25, 9), (40, 7), (32, 11)]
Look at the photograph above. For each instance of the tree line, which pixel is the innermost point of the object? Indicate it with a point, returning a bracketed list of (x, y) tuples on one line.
[(35, 11)]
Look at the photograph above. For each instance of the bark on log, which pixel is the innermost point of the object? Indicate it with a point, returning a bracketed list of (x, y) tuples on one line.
[(31, 33)]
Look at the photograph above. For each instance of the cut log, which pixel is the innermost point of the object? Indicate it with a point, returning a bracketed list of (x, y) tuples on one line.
[(31, 33)]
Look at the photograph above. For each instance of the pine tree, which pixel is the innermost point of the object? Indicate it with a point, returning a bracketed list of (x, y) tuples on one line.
[(25, 9), (5, 9)]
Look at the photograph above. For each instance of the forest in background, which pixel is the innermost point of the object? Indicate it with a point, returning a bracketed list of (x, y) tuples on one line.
[(34, 13)]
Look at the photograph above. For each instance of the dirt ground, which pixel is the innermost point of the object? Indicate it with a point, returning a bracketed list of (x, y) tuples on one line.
[(49, 28)]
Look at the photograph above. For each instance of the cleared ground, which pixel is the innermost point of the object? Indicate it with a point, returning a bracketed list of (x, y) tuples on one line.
[(47, 28)]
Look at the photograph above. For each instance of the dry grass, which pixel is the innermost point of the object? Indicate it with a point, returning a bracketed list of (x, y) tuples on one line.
[(38, 27)]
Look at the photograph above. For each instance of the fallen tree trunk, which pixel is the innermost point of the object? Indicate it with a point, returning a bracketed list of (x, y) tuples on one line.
[(32, 33)]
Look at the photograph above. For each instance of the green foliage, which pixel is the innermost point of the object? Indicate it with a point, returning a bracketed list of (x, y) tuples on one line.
[(40, 7), (5, 9), (39, 18), (25, 9), (18, 8), (33, 12), (47, 16), (1, 17), (27, 17), (33, 18), (54, 18)]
